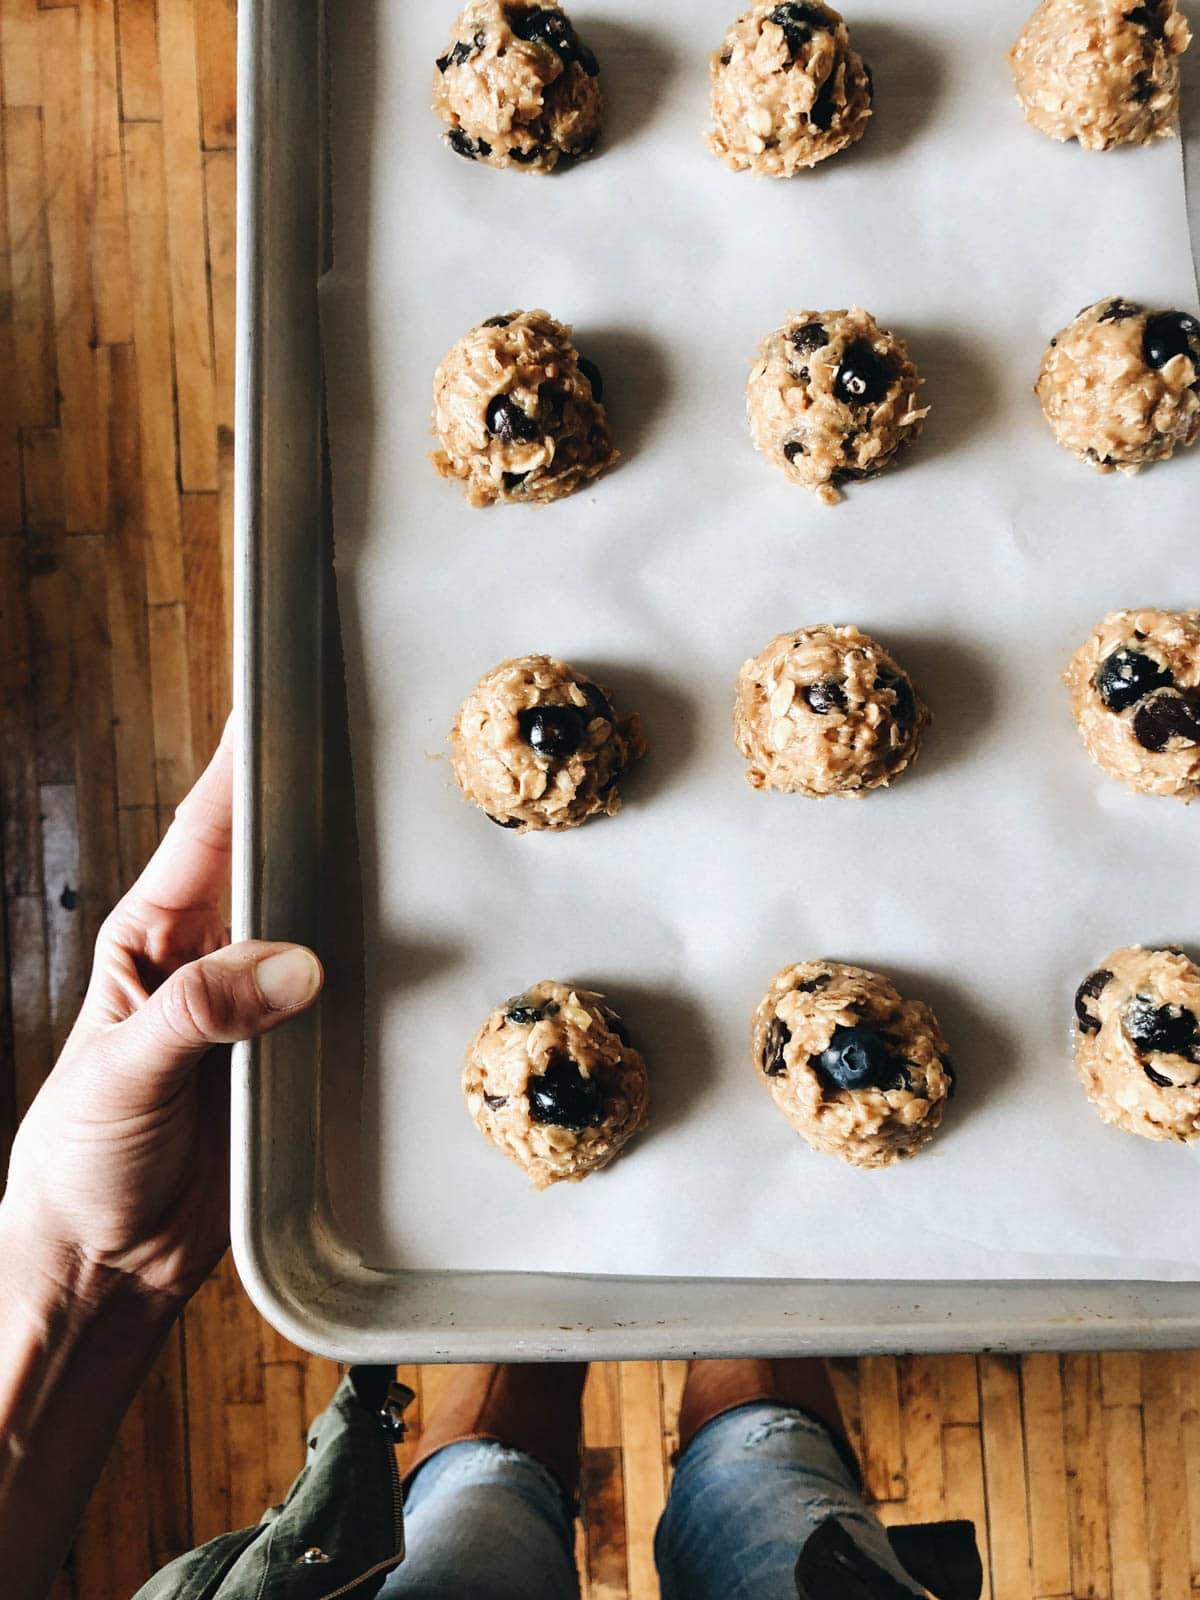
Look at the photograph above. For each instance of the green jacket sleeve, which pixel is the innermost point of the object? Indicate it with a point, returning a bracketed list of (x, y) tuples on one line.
[(341, 1529)]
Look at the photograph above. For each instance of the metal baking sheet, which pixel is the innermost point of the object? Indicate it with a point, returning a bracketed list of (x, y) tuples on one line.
[(295, 1094)]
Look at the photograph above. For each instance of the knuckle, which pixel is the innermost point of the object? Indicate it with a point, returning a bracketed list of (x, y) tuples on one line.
[(204, 821), (197, 1007), (115, 929)]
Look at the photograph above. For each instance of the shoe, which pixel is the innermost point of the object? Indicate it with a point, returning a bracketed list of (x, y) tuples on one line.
[(534, 1409), (715, 1387)]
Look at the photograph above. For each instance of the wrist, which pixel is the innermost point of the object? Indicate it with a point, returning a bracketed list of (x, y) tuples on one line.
[(76, 1342), (54, 1285)]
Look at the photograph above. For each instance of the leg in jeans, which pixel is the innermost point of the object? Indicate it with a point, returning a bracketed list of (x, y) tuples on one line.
[(485, 1522), (489, 1502), (757, 1476)]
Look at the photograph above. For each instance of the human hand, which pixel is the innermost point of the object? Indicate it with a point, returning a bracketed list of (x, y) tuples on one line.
[(119, 1171)]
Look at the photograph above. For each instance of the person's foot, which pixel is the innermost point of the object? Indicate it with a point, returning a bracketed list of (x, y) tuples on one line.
[(534, 1409), (715, 1387)]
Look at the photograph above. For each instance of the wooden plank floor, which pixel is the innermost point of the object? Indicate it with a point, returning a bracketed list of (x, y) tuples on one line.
[(117, 127)]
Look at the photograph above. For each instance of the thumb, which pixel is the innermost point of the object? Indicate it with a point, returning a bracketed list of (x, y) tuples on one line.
[(234, 994)]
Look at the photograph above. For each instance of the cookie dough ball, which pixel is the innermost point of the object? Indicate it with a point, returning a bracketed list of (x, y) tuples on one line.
[(1135, 692), (519, 412), (788, 90), (1137, 1047), (857, 1070), (826, 710), (833, 399), (1105, 72), (517, 87), (539, 748), (554, 1082), (1119, 385)]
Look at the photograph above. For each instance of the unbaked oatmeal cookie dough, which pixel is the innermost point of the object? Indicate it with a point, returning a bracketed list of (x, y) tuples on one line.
[(857, 1070), (833, 398), (519, 413), (826, 710), (1137, 1044), (538, 747), (1104, 72), (788, 90), (1135, 692), (1120, 385), (554, 1082), (517, 87)]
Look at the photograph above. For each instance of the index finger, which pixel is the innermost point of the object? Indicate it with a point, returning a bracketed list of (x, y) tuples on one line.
[(191, 867)]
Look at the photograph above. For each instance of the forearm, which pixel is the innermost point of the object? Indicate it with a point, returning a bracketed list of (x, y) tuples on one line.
[(75, 1344)]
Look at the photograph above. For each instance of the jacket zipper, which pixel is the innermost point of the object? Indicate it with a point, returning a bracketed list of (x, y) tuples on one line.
[(372, 1572), (397, 1533), (397, 1502)]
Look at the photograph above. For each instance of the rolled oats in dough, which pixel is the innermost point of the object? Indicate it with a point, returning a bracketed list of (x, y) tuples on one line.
[(538, 747), (553, 1081), (833, 399), (1105, 72), (1135, 692), (519, 412), (517, 87), (1120, 386), (857, 1070), (1137, 1045), (788, 90), (824, 711)]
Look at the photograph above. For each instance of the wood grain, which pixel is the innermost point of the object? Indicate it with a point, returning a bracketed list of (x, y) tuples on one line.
[(1046, 1470), (118, 125)]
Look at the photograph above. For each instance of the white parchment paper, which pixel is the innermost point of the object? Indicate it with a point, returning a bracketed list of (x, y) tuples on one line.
[(988, 882)]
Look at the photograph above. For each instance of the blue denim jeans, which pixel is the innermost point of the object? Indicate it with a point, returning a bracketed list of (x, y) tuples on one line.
[(488, 1523)]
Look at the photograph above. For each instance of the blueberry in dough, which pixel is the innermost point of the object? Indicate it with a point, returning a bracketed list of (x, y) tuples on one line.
[(1161, 1030), (1092, 987), (1147, 17), (799, 23), (1118, 310), (863, 377), (855, 1058), (463, 145), (592, 373), (1168, 718), (825, 696), (507, 421), (549, 26), (526, 1011), (778, 1038), (562, 1097), (1171, 334), (462, 51), (904, 703), (1127, 676), (553, 731), (808, 337)]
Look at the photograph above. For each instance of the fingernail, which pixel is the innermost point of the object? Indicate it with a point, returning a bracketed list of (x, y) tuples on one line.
[(288, 979)]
